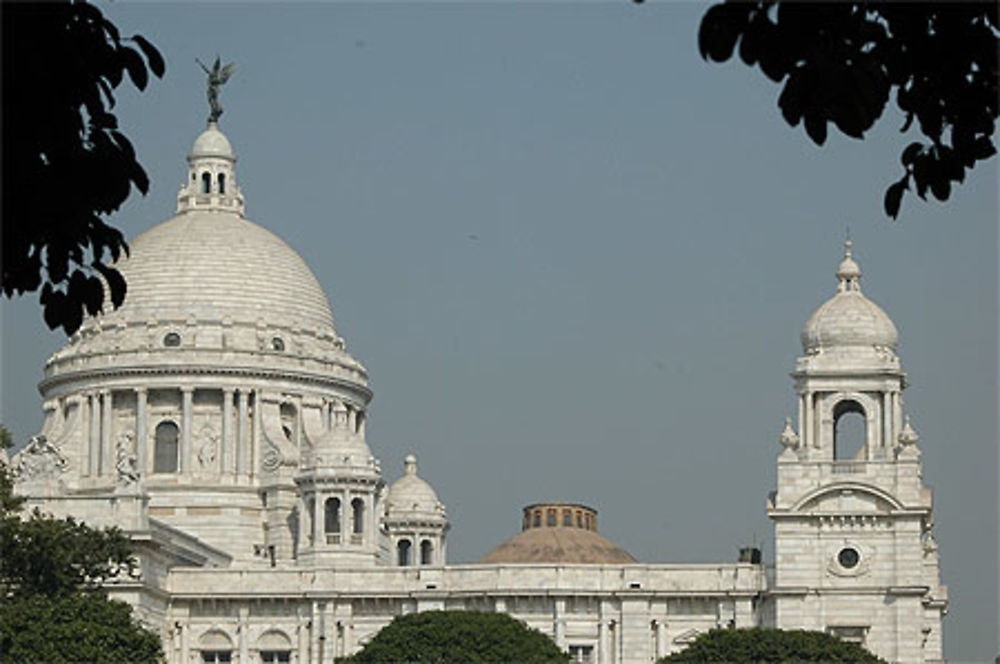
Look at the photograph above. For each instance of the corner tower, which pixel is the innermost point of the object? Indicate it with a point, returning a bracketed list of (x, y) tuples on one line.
[(854, 550)]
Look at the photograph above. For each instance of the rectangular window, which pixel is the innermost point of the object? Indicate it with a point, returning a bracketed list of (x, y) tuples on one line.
[(580, 654), (276, 656), (216, 656)]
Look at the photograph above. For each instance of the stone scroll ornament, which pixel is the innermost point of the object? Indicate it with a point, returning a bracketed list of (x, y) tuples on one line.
[(217, 76), (39, 459)]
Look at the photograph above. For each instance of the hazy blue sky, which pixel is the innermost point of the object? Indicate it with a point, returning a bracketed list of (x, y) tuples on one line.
[(576, 260)]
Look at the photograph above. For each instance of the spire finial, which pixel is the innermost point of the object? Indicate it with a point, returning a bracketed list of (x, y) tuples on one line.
[(411, 464), (849, 272), (217, 76)]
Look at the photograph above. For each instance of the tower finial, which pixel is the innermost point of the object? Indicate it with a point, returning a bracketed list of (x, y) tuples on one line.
[(849, 272), (217, 76)]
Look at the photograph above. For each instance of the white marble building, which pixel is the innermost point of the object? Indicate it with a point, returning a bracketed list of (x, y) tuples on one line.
[(218, 419)]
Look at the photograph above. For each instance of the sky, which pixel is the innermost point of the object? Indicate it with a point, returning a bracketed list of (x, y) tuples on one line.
[(575, 259)]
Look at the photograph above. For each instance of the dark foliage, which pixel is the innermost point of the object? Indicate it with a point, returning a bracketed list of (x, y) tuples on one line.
[(841, 62), (65, 163), (52, 607), (47, 556), (81, 627), (760, 645), (441, 637)]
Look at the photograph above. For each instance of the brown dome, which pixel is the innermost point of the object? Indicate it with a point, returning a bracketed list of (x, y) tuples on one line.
[(559, 533)]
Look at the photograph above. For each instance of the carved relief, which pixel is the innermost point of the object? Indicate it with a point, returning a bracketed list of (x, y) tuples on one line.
[(209, 446), (40, 459), (126, 463)]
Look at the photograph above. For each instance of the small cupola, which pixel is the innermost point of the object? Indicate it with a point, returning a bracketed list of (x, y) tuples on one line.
[(211, 182)]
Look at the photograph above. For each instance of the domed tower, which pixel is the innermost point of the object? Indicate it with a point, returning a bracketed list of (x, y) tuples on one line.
[(855, 553), (339, 482), (221, 369), (415, 520)]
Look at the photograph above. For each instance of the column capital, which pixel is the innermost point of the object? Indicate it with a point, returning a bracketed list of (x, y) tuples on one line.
[(140, 390), (187, 389)]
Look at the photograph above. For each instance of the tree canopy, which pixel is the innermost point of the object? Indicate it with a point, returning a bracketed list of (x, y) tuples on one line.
[(773, 646), (66, 164), (52, 604), (841, 62), (458, 636)]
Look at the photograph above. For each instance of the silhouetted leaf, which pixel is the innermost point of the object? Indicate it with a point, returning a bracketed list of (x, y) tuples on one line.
[(135, 66), (720, 28), (894, 197), (842, 60), (116, 283), (156, 64), (911, 152), (983, 148), (816, 128)]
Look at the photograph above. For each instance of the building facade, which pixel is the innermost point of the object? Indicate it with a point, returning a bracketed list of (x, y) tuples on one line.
[(219, 420)]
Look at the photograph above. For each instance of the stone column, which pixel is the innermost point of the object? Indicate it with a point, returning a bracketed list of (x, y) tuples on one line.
[(302, 642), (241, 434), (141, 444), (602, 642), (887, 442), (244, 627), (107, 454), (255, 457), (187, 398), (95, 433), (897, 413), (88, 460), (661, 638), (315, 633), (810, 429), (318, 528), (226, 456), (185, 648), (803, 441), (559, 620)]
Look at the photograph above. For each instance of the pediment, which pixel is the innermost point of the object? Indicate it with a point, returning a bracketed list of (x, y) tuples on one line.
[(849, 499)]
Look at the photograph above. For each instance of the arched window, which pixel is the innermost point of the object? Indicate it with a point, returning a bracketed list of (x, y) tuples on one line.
[(567, 517), (850, 434), (579, 519), (331, 522), (403, 553), (165, 448), (216, 647), (358, 515), (550, 518), (426, 552), (171, 340), (537, 520), (222, 183), (206, 183)]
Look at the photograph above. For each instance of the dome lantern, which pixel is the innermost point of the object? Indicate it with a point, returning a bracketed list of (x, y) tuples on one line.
[(211, 181)]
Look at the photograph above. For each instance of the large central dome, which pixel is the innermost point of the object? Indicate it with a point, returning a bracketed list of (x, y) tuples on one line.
[(210, 265), (210, 291)]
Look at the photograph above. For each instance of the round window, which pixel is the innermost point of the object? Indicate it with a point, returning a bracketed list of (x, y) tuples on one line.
[(172, 339), (278, 343), (848, 557)]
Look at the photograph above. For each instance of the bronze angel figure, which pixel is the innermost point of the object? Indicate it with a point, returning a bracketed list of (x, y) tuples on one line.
[(217, 75)]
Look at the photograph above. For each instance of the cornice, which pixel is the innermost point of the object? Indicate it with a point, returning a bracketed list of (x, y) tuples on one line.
[(256, 373)]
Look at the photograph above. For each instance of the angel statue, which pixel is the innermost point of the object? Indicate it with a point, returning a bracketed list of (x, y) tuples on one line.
[(217, 75)]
